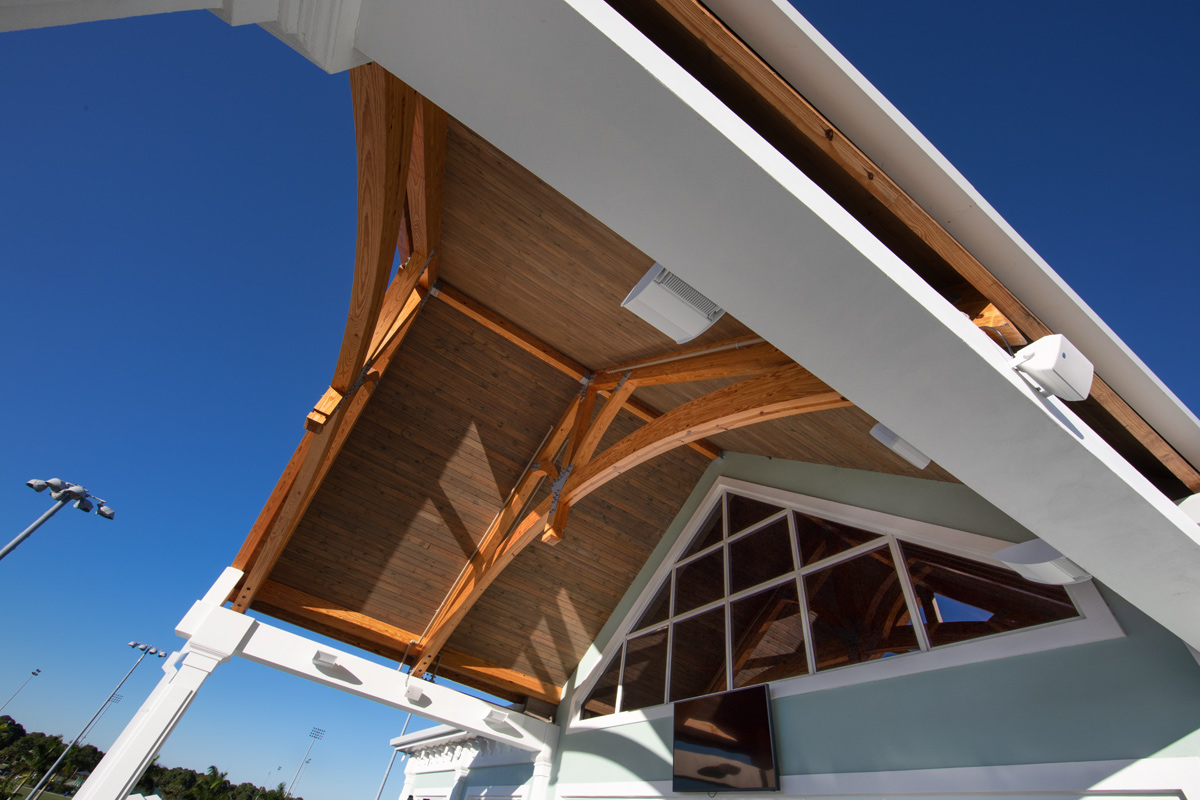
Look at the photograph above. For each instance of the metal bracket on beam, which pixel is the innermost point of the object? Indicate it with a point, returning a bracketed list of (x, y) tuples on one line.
[(557, 486)]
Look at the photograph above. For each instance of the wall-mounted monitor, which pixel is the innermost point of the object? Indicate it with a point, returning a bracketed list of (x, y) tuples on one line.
[(724, 743)]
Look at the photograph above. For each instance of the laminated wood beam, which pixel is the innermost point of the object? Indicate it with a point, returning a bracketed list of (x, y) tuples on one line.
[(426, 181), (734, 359), (384, 117), (321, 452), (581, 450), (392, 641), (510, 331), (274, 502), (784, 392), (452, 610), (725, 50), (483, 315)]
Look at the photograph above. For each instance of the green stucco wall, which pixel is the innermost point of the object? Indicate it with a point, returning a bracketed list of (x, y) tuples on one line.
[(434, 782), (508, 775), (1133, 697)]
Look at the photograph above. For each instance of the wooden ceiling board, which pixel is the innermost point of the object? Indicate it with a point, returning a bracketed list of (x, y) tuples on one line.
[(519, 247), (441, 443), (544, 611), (461, 410)]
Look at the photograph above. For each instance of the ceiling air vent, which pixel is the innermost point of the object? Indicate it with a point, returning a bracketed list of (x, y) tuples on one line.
[(668, 303)]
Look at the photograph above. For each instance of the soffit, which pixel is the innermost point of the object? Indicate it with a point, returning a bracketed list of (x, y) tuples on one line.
[(458, 414)]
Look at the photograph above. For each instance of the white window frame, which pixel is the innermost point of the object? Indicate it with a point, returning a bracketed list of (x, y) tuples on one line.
[(1094, 623)]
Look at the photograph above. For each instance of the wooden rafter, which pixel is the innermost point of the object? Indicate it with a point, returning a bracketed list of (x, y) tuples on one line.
[(426, 181), (384, 112), (483, 315), (781, 393), (321, 454), (735, 358), (775, 94), (391, 641), (582, 448), (452, 610), (384, 118), (266, 517)]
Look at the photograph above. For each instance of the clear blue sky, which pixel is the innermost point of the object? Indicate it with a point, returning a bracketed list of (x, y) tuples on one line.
[(177, 205)]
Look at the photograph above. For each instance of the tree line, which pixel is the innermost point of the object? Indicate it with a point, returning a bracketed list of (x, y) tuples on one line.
[(25, 757)]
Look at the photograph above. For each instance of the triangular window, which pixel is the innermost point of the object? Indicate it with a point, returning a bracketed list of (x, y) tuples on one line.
[(766, 591)]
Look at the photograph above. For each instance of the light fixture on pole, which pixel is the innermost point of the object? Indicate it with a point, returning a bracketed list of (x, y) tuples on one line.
[(267, 780), (147, 650), (32, 675), (62, 493), (316, 734)]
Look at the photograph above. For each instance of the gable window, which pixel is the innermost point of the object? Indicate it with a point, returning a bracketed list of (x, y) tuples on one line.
[(777, 586)]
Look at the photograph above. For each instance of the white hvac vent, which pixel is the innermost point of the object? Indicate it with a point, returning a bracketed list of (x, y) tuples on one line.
[(668, 303)]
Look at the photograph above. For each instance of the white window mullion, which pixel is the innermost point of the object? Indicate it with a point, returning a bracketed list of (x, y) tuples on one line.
[(802, 596), (910, 596), (621, 677), (845, 555)]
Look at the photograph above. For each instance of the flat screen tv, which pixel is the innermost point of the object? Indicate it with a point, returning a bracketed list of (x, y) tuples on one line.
[(724, 743)]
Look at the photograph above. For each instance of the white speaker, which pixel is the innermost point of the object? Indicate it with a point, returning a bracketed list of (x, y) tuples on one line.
[(1057, 367)]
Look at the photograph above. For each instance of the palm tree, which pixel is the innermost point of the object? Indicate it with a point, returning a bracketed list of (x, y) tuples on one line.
[(209, 787), (43, 751)]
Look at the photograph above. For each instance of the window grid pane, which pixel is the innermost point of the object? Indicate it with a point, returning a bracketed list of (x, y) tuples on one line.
[(811, 615)]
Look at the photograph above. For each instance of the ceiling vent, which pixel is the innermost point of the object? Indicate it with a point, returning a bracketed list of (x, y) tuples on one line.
[(668, 303)]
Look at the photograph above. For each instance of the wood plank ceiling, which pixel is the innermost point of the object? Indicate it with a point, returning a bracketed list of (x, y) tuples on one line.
[(406, 522)]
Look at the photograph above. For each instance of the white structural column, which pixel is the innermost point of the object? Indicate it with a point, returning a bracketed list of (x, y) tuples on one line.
[(410, 777), (215, 634), (214, 641), (458, 789)]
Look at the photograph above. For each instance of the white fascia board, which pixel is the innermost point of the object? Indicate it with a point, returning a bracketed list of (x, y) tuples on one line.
[(573, 92), (799, 53), (292, 653)]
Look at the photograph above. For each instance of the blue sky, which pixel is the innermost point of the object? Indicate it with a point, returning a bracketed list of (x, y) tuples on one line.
[(177, 216)]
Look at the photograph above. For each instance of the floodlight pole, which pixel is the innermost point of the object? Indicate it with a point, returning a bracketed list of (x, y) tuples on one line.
[(32, 675), (25, 534), (314, 735), (392, 760), (37, 790)]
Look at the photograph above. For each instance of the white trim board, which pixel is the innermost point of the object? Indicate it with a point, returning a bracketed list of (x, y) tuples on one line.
[(1095, 623)]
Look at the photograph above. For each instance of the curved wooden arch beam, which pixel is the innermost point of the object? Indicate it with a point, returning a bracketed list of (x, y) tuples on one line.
[(384, 119), (783, 392)]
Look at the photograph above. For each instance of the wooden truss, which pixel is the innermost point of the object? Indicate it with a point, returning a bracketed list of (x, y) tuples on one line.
[(401, 142), (773, 391)]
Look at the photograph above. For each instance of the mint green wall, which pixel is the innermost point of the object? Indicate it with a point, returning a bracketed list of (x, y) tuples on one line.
[(508, 775), (436, 782), (1134, 697)]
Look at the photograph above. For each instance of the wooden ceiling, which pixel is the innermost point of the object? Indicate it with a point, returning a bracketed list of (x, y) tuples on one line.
[(407, 523)]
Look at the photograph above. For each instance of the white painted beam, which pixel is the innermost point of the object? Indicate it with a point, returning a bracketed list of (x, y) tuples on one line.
[(295, 654), (574, 93)]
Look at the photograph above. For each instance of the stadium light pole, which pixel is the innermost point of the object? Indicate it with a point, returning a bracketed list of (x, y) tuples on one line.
[(32, 675), (316, 734), (147, 650), (62, 493)]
